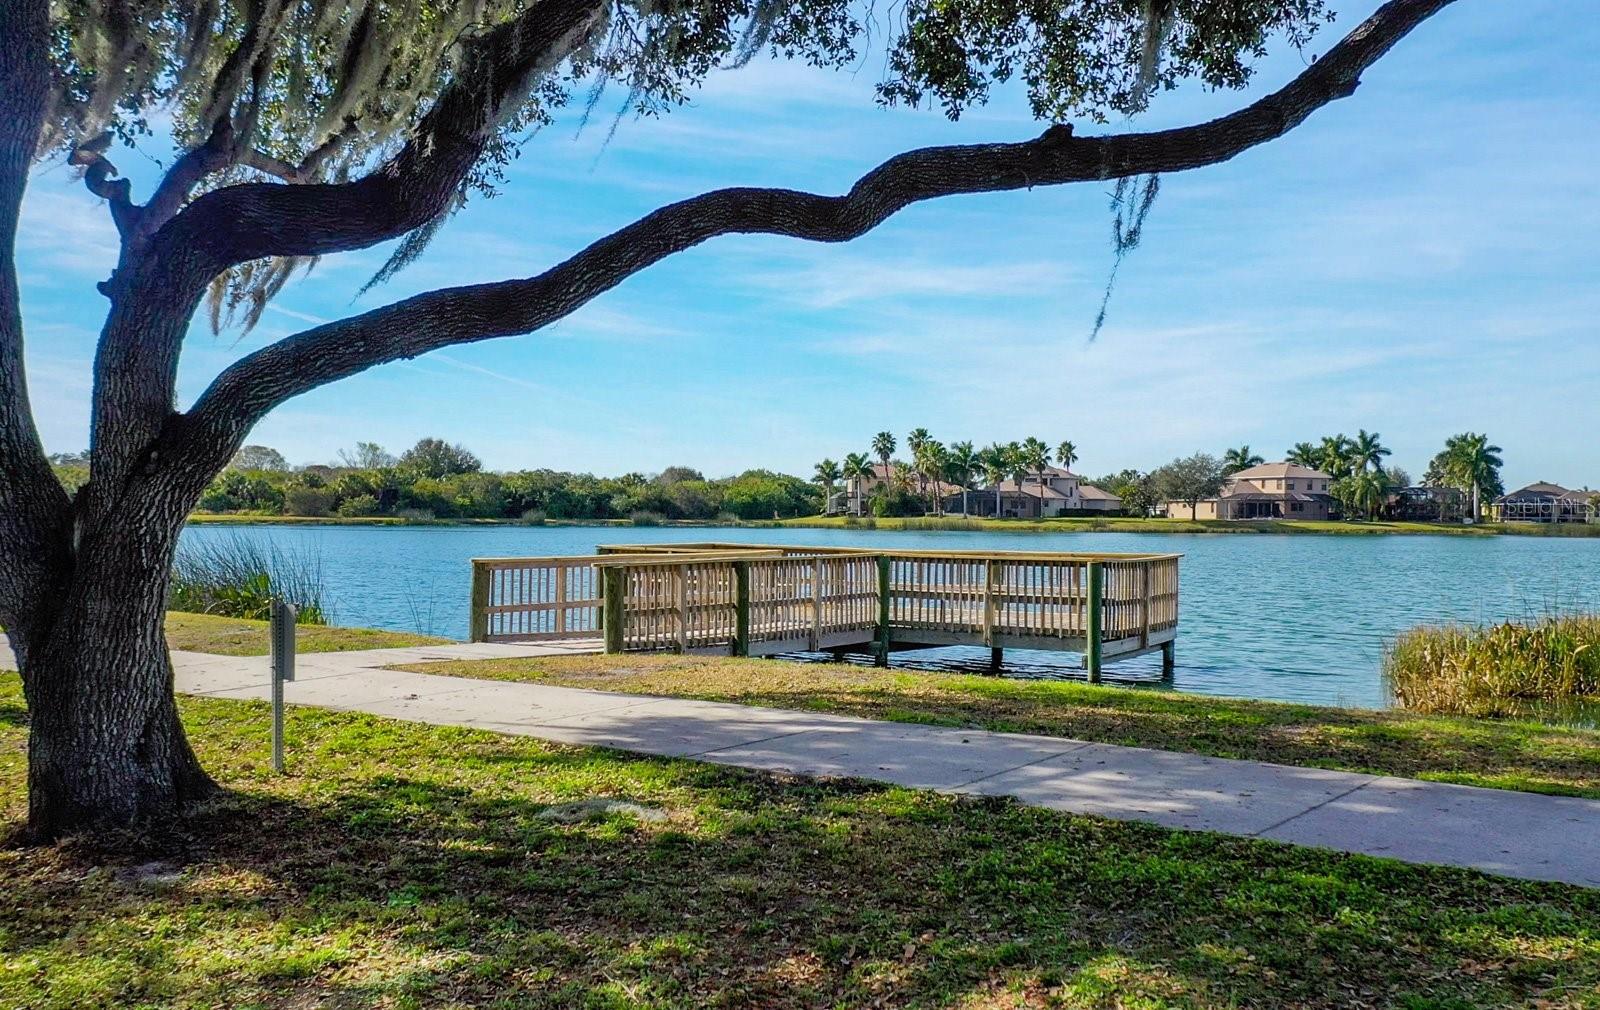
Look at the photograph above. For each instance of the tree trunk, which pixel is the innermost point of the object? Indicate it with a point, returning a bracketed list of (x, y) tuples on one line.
[(106, 747)]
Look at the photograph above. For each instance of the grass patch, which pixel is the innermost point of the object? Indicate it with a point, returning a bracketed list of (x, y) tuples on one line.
[(235, 636), (1498, 670), (403, 865), (1529, 756)]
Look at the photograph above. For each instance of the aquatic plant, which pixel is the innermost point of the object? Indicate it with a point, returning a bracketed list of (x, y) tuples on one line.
[(238, 577), (1495, 670)]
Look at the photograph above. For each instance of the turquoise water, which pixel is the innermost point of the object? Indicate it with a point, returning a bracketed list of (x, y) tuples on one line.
[(1291, 618)]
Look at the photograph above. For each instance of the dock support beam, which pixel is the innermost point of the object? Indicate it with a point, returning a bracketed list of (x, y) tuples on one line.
[(1167, 649), (741, 608), (611, 608), (883, 611), (1091, 652), (996, 655)]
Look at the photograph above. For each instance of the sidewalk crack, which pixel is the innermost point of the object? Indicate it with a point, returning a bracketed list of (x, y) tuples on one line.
[(1307, 810)]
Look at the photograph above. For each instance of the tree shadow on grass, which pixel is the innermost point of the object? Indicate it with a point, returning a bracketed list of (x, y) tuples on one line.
[(446, 880)]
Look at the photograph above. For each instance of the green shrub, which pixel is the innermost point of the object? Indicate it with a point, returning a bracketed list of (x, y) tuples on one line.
[(534, 517), (1500, 670), (308, 500), (236, 577), (642, 518), (358, 506)]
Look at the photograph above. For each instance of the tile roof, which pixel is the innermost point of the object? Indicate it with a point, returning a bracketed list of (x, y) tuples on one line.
[(1281, 469)]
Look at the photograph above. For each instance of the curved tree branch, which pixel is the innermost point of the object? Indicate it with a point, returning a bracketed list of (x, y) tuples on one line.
[(159, 282), (251, 387), (255, 220)]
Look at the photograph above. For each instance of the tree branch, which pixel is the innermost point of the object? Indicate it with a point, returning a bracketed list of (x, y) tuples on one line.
[(159, 284), (255, 220), (251, 387)]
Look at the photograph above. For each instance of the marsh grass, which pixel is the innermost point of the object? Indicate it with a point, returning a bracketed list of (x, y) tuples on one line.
[(238, 577), (1506, 669)]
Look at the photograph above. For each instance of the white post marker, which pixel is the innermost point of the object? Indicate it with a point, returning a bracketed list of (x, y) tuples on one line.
[(282, 636)]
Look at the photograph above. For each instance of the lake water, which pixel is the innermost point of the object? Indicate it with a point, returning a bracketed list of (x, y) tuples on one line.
[(1286, 617)]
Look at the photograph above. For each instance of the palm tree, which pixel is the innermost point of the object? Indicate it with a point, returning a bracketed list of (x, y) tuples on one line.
[(916, 441), (1366, 451), (883, 446), (900, 476), (1238, 459), (1334, 456), (857, 467), (1364, 491), (1304, 454), (964, 463), (1036, 458), (1066, 454), (935, 460), (1472, 463), (827, 472), (996, 463)]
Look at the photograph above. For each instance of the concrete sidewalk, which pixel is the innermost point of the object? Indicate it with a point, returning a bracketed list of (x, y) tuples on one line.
[(1515, 834)]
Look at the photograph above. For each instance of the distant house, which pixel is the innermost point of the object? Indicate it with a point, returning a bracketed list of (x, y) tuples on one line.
[(1544, 502), (1428, 503), (1269, 491), (1056, 492), (856, 497)]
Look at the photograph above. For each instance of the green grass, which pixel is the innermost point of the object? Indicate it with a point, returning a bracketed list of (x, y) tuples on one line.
[(1529, 756), (1498, 670), (406, 866), (232, 636)]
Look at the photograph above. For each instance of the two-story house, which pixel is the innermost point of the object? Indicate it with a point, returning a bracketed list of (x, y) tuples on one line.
[(1269, 491), (1056, 492)]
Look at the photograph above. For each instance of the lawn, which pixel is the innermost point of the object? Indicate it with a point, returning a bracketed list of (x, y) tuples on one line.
[(401, 865), (1504, 754), (232, 636)]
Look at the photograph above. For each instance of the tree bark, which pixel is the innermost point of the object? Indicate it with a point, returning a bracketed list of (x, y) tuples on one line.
[(106, 747)]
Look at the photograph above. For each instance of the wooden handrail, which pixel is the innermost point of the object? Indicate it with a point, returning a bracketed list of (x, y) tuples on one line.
[(742, 597)]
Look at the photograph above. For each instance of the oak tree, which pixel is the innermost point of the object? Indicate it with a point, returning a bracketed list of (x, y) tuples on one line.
[(311, 128)]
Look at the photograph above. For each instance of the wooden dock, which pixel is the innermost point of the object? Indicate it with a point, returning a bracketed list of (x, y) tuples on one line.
[(760, 600)]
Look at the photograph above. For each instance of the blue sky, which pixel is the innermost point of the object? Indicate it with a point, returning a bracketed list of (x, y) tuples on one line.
[(1416, 260)]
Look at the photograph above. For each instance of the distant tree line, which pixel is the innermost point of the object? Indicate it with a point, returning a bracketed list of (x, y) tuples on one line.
[(436, 479), (443, 480)]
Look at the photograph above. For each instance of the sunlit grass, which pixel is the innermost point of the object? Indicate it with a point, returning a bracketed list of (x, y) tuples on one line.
[(233, 636), (406, 866)]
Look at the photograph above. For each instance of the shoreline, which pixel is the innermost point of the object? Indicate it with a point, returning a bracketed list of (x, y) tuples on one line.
[(931, 524)]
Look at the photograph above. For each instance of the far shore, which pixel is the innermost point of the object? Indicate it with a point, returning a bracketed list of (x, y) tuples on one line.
[(1073, 524)]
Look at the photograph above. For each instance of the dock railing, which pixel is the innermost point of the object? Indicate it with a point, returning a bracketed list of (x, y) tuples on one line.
[(745, 599)]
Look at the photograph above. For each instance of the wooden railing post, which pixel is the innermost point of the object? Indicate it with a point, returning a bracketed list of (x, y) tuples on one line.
[(989, 570), (816, 604), (1144, 612), (561, 599), (741, 608), (479, 623), (611, 607), (1091, 652), (883, 610), (683, 608)]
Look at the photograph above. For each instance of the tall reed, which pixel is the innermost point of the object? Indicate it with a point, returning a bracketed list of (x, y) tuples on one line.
[(1495, 670), (237, 577)]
